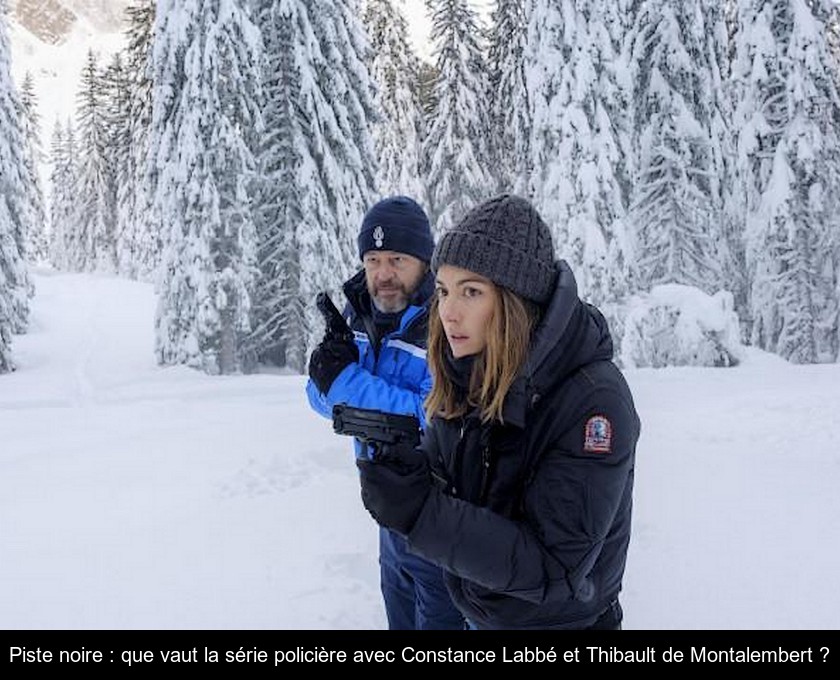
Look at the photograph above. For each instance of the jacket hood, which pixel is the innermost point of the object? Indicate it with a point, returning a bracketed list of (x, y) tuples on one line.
[(571, 334)]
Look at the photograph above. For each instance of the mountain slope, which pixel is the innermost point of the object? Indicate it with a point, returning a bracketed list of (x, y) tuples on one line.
[(51, 21), (50, 40)]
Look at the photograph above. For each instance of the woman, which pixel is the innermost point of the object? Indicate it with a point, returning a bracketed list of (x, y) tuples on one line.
[(524, 495)]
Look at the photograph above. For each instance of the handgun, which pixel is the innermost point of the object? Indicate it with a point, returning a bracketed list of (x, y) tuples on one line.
[(336, 326), (376, 429)]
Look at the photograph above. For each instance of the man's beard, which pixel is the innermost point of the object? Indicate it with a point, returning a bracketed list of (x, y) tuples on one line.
[(391, 305)]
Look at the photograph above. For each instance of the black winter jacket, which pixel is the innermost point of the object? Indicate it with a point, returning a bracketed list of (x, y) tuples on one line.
[(531, 518)]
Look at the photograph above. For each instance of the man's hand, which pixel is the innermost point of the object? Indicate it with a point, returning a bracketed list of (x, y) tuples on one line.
[(395, 486), (336, 327), (329, 359)]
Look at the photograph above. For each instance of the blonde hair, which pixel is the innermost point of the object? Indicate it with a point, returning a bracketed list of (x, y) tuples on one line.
[(494, 369)]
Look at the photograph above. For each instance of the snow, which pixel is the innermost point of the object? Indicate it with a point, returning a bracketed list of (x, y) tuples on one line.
[(139, 497), (420, 24), (56, 71), (678, 325)]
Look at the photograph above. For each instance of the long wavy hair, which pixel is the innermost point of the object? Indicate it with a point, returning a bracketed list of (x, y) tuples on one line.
[(494, 369)]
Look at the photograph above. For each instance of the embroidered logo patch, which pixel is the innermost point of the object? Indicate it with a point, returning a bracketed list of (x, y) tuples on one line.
[(379, 236), (597, 437)]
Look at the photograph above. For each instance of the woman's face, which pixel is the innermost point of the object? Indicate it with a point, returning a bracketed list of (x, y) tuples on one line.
[(466, 302)]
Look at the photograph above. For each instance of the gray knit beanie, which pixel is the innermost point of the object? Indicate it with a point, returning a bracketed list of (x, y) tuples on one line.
[(506, 241)]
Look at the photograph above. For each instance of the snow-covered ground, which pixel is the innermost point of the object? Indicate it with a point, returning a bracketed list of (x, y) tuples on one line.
[(140, 497)]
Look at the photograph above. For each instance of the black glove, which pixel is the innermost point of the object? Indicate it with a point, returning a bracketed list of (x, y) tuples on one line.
[(395, 486), (329, 359)]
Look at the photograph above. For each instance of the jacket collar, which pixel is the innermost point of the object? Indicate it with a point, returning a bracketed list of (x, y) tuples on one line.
[(570, 334)]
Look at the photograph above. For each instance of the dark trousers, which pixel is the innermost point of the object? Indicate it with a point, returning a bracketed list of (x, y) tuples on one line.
[(415, 594)]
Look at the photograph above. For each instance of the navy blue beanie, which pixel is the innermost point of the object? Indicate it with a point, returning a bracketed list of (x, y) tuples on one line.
[(397, 223)]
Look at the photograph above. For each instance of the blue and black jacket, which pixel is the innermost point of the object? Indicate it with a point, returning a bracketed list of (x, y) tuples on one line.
[(392, 374)]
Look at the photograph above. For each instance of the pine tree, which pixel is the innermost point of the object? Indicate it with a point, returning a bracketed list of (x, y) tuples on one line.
[(280, 332), (56, 205), (116, 98), (789, 161), (115, 118), (30, 120), (15, 285), (427, 77), (510, 112), (833, 29), (205, 113), (94, 224), (395, 69), (65, 245), (458, 162), (676, 207), (139, 240), (317, 169), (580, 138), (829, 328), (720, 39), (350, 163), (10, 268)]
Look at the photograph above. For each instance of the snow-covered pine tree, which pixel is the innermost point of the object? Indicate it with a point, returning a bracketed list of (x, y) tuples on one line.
[(395, 69), (723, 23), (676, 206), (11, 260), (350, 165), (30, 122), (15, 284), (833, 29), (831, 330), (93, 228), (56, 203), (834, 245), (65, 246), (11, 264), (789, 161), (427, 77), (205, 112), (116, 98), (139, 240), (543, 46), (510, 111), (317, 168), (730, 19), (279, 334), (117, 101), (580, 138), (456, 153)]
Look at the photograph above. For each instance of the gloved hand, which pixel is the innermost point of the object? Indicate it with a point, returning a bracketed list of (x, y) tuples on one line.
[(329, 359), (395, 486)]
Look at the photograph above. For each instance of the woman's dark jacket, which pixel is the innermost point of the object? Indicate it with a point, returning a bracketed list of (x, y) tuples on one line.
[(531, 519)]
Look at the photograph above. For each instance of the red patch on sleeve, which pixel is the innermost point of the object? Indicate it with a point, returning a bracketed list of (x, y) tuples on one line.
[(597, 435)]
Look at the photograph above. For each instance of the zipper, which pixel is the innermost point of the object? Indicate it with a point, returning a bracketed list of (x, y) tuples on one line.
[(485, 474), (459, 450)]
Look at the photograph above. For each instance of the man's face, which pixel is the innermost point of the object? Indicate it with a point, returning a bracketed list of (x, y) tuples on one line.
[(392, 278)]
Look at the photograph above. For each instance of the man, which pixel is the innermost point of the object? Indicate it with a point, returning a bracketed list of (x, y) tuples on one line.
[(385, 369)]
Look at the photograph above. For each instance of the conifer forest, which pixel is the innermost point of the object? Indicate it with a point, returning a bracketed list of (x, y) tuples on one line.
[(228, 153)]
